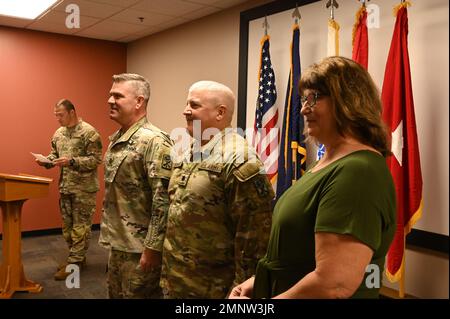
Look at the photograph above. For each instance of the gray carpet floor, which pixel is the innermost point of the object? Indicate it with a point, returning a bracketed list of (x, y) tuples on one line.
[(41, 255)]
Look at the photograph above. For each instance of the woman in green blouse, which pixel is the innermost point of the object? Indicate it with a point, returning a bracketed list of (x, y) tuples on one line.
[(332, 229)]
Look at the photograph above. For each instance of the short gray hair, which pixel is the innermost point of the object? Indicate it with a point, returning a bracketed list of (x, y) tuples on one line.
[(140, 84), (220, 93)]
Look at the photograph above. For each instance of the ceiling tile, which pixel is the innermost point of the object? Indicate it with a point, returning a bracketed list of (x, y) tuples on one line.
[(202, 2), (117, 20), (14, 22), (138, 35), (150, 19), (201, 13), (118, 3), (173, 7), (91, 9), (50, 27), (226, 3), (113, 27), (86, 22), (55, 17), (172, 23), (128, 38), (101, 36), (58, 18)]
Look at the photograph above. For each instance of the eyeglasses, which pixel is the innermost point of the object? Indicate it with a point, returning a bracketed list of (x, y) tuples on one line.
[(310, 100)]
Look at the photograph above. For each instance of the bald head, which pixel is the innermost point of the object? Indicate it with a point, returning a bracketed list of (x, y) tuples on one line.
[(217, 94)]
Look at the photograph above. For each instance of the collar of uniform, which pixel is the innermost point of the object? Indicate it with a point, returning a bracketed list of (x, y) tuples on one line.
[(72, 130), (208, 147), (197, 151), (194, 146), (117, 137)]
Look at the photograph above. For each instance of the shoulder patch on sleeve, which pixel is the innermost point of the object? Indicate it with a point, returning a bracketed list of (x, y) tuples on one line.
[(246, 171), (158, 160), (166, 162)]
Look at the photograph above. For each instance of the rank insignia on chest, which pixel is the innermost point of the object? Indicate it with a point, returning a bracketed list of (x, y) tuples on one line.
[(166, 162), (261, 187), (183, 179)]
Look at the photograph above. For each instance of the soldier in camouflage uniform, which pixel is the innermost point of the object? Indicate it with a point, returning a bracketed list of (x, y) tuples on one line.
[(77, 150), (220, 204), (137, 172)]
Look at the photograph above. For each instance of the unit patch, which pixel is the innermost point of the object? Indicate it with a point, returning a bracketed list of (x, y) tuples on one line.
[(166, 162)]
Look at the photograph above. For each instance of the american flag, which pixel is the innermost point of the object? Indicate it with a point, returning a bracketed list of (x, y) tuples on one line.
[(266, 132)]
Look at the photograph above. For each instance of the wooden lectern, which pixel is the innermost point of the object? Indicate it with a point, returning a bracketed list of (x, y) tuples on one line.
[(14, 191)]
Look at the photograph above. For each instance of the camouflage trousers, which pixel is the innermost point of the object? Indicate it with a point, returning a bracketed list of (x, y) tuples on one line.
[(184, 281), (127, 280), (77, 211)]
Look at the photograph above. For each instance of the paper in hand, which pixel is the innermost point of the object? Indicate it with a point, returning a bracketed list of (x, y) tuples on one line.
[(41, 158)]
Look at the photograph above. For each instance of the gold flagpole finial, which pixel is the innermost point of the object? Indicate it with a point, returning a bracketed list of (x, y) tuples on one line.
[(296, 14)]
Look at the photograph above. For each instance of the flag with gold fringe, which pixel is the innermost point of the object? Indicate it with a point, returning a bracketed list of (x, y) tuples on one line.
[(292, 156), (332, 50), (266, 135), (360, 38), (404, 164), (333, 38)]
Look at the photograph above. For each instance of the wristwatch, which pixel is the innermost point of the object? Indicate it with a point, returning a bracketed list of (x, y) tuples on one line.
[(71, 162)]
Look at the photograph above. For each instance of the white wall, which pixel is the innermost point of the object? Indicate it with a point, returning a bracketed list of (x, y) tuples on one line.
[(429, 57)]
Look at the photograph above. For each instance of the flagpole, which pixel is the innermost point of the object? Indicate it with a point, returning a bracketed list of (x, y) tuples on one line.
[(401, 291), (332, 49), (294, 146)]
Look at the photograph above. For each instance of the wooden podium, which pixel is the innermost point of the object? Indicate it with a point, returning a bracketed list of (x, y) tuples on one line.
[(14, 191)]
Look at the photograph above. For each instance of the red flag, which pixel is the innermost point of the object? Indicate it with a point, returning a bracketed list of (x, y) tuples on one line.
[(404, 164), (360, 38)]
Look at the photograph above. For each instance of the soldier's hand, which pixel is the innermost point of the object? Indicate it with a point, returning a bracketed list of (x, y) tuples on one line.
[(62, 161), (39, 162), (150, 259)]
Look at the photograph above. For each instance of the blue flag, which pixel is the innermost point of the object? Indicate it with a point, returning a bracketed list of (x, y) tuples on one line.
[(292, 155), (320, 151)]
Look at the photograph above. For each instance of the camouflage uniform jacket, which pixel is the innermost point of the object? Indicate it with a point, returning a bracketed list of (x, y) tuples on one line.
[(219, 219), (82, 143), (137, 172)]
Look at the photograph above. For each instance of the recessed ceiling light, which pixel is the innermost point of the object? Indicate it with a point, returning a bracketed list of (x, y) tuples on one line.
[(25, 9)]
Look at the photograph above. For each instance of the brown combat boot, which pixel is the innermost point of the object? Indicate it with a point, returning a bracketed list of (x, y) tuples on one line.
[(64, 264), (62, 274)]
